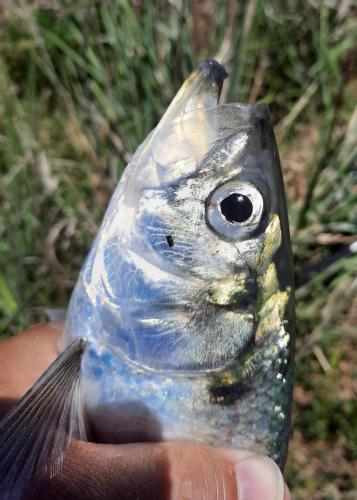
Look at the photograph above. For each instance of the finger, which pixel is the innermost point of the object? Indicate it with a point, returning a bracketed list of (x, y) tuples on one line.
[(23, 358), (258, 478), (162, 471)]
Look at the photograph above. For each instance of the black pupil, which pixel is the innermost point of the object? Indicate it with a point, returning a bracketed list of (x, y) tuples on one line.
[(236, 207)]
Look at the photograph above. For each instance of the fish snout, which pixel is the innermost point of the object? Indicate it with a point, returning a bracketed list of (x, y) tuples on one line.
[(202, 89)]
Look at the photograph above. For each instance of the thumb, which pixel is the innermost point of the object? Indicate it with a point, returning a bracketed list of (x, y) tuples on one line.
[(259, 478), (214, 474)]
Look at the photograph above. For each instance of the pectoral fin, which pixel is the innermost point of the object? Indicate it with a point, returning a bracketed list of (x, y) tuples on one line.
[(35, 434)]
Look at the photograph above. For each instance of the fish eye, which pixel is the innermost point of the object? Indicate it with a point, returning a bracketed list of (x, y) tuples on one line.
[(235, 209)]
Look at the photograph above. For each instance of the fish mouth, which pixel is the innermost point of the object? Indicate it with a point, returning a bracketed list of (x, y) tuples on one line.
[(209, 78), (202, 89), (183, 135), (215, 70)]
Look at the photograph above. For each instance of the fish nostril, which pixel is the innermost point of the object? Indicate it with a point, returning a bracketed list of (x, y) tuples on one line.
[(170, 240)]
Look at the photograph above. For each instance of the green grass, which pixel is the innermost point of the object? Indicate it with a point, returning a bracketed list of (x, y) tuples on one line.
[(81, 86)]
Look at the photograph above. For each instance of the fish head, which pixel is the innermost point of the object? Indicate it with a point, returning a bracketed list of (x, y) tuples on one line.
[(194, 253)]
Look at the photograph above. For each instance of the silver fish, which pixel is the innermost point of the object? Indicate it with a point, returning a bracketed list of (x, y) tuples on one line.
[(181, 324)]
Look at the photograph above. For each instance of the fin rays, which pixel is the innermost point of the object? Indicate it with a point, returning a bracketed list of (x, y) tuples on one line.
[(36, 433)]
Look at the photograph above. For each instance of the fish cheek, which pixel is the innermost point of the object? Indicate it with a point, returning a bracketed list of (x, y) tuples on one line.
[(232, 383)]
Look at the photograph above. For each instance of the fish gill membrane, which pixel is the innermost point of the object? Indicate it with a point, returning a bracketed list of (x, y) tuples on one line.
[(181, 325)]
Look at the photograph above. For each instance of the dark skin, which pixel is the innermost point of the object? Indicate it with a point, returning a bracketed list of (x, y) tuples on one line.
[(158, 471)]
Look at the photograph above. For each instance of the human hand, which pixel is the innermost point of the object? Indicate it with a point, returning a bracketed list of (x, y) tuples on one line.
[(142, 471)]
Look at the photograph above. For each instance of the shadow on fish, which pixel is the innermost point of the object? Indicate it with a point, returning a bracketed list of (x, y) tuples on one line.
[(180, 326)]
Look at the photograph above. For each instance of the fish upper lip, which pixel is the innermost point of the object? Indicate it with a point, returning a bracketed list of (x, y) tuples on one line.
[(201, 90), (216, 72)]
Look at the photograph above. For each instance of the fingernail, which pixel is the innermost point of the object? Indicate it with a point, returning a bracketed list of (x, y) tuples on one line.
[(259, 478)]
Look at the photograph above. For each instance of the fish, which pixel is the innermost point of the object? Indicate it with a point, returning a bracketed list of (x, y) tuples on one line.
[(181, 324)]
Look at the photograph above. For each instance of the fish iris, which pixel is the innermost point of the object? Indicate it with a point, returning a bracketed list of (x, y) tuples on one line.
[(236, 208)]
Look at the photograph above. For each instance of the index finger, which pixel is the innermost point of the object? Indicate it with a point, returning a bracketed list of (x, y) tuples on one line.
[(23, 359)]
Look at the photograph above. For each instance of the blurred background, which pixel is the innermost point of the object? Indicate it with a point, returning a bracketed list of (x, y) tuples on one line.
[(82, 83)]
